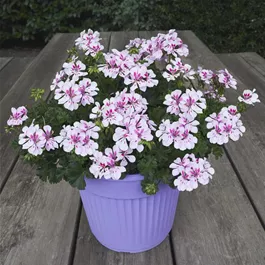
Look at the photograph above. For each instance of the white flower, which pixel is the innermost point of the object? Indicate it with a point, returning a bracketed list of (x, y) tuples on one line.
[(50, 143), (67, 94), (75, 69), (58, 78), (227, 79), (127, 156), (86, 91), (190, 171), (206, 75), (173, 102), (249, 97), (32, 139), (18, 116), (193, 102)]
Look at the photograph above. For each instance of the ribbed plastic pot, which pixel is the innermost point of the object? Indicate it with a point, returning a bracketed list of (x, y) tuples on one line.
[(125, 219)]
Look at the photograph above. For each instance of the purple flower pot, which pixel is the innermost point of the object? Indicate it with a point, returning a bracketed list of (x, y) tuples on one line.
[(125, 219)]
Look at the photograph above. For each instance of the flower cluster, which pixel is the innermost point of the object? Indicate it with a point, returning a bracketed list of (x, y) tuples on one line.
[(124, 124), (107, 165), (89, 42), (36, 140), (225, 125), (79, 138), (190, 171), (18, 116)]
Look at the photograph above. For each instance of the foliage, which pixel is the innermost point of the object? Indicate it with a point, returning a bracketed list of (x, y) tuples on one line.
[(225, 26)]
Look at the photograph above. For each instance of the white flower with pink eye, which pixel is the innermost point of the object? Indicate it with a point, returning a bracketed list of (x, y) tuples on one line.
[(18, 116), (206, 75), (113, 171), (67, 94), (227, 79), (110, 68), (190, 171), (99, 165), (75, 69), (109, 113), (193, 102), (249, 97), (50, 143), (173, 102), (89, 128), (188, 72), (89, 42), (188, 122), (96, 111), (87, 90), (127, 156), (173, 69), (58, 78), (225, 125), (140, 77), (32, 139), (122, 137)]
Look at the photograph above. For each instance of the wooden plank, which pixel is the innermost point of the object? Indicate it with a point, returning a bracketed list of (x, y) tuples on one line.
[(216, 224), (90, 251), (40, 219), (255, 61), (249, 76), (4, 61), (39, 74), (248, 154), (121, 38), (10, 73)]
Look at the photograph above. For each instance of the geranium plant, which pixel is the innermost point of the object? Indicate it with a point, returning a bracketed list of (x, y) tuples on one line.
[(140, 110)]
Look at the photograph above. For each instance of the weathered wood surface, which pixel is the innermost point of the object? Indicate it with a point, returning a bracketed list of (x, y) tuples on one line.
[(247, 154), (11, 72), (4, 61), (255, 60), (249, 76), (88, 249), (37, 220), (39, 74)]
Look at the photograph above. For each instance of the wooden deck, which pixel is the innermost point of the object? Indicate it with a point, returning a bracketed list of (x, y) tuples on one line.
[(219, 224)]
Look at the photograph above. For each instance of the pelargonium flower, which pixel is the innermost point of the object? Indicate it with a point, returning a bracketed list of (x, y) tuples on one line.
[(173, 69), (106, 165), (68, 95), (225, 125), (32, 139), (89, 42), (51, 142), (127, 156), (58, 78), (192, 102), (79, 138), (205, 75), (176, 133), (173, 102), (249, 97), (190, 171), (86, 91), (140, 77), (18, 116), (227, 79), (75, 69)]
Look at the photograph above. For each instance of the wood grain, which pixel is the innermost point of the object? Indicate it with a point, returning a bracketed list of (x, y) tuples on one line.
[(39, 74), (38, 220), (247, 154), (10, 73), (216, 224), (255, 60), (4, 61)]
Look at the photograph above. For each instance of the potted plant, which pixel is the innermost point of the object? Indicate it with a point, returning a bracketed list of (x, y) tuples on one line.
[(130, 129)]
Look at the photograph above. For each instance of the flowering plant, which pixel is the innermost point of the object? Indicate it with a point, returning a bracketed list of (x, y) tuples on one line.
[(140, 110)]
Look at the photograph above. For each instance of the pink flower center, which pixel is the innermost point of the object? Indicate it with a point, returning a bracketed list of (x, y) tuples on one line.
[(174, 133), (247, 96), (75, 138)]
